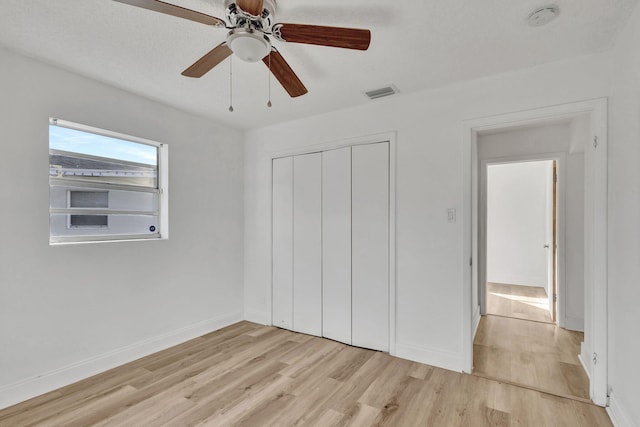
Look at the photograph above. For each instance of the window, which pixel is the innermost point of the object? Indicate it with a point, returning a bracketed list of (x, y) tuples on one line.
[(101, 221), (105, 186), (88, 199)]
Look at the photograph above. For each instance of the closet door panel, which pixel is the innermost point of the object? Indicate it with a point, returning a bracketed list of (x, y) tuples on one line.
[(370, 246), (336, 244), (307, 244), (282, 250)]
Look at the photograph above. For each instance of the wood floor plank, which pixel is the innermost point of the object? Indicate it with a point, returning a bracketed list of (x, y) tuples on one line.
[(212, 401), (69, 401), (330, 418), (95, 410), (252, 375), (524, 302), (412, 403), (157, 410), (243, 400), (450, 404), (359, 415), (268, 411), (302, 410), (419, 370), (535, 354), (224, 335), (356, 357), (497, 395), (348, 395), (590, 416), (386, 383)]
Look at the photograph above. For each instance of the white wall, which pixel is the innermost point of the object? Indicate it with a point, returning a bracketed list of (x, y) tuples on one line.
[(624, 231), (70, 311), (543, 141), (517, 223), (429, 180)]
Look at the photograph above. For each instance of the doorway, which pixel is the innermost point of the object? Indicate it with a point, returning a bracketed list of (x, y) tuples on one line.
[(521, 223), (593, 351), (518, 340)]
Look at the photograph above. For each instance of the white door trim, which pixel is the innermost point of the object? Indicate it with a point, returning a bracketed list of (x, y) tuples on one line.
[(595, 229), (389, 137)]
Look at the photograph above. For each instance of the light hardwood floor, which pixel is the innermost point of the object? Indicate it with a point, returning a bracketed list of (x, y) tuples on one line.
[(523, 302), (531, 353), (253, 375)]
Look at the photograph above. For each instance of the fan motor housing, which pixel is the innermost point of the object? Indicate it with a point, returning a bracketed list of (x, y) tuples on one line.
[(239, 18)]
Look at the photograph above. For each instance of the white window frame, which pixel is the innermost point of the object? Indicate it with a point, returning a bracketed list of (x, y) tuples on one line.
[(162, 189)]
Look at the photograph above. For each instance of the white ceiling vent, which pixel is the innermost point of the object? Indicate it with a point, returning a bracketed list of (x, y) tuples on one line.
[(382, 92)]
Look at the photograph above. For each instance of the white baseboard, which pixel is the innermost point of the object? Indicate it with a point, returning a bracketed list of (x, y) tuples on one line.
[(572, 324), (584, 358), (515, 280), (28, 388), (257, 316), (619, 416), (584, 366), (433, 357), (476, 321)]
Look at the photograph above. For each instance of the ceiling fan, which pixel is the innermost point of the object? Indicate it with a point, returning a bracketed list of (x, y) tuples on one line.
[(251, 24)]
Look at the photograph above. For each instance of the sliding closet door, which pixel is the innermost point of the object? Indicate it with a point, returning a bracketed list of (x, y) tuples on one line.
[(370, 246), (307, 244), (282, 280), (336, 244)]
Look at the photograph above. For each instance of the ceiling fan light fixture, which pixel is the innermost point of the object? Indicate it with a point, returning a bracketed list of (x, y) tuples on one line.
[(252, 23), (248, 44)]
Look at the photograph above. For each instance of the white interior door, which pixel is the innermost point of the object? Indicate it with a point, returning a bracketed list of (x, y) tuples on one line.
[(370, 246), (307, 244), (336, 244), (282, 280)]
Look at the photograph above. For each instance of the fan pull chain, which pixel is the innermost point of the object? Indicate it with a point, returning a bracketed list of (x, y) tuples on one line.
[(269, 102), (231, 84)]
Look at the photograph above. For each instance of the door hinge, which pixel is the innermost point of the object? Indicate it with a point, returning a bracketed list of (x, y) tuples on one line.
[(595, 358), (555, 297), (595, 142), (555, 177), (470, 261)]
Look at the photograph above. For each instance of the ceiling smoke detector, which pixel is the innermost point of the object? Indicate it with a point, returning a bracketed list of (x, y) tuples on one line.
[(543, 15)]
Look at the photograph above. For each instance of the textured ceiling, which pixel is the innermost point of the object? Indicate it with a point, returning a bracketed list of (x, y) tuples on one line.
[(416, 44)]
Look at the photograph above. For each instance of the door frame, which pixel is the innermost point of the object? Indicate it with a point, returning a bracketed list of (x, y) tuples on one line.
[(555, 206), (560, 159), (389, 137), (594, 348)]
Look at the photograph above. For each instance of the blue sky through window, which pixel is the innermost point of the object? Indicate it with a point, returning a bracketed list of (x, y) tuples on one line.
[(61, 138)]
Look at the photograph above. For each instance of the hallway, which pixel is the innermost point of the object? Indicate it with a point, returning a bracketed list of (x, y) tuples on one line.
[(516, 343), (522, 302)]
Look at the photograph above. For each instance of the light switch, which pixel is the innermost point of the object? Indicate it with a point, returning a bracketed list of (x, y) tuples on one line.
[(451, 215)]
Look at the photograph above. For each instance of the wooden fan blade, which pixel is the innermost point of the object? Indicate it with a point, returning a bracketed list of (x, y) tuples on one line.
[(348, 38), (203, 65), (173, 10), (285, 75), (254, 7)]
